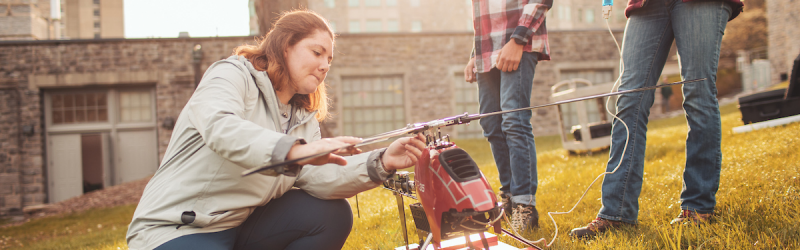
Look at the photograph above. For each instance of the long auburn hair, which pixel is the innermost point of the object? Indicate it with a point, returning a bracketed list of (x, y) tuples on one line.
[(268, 55)]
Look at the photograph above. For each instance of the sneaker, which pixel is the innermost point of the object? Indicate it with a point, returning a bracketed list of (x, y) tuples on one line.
[(598, 225), (689, 216), (524, 217), (506, 200)]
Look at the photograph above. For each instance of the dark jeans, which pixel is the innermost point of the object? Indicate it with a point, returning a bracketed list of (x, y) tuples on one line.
[(297, 220)]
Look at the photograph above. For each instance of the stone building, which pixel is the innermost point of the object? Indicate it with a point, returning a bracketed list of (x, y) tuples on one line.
[(77, 115), (85, 19), (56, 19), (107, 105), (784, 45), (27, 20)]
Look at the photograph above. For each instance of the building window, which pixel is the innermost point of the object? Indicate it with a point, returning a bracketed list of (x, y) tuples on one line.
[(330, 3), (392, 25), (580, 15), (135, 106), (564, 13), (97, 24), (252, 7), (391, 2), (355, 27), (589, 15), (416, 26), (352, 3), (73, 108), (97, 36), (372, 3), (96, 12), (466, 95), (373, 25), (414, 3), (595, 76), (333, 26), (372, 105), (96, 1)]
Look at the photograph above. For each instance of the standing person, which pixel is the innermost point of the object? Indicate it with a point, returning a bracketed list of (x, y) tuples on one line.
[(510, 39), (261, 106), (697, 28), (665, 94)]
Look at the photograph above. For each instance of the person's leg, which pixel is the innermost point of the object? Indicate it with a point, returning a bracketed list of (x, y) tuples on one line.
[(648, 37), (489, 101), (297, 220), (698, 33), (515, 92), (223, 240)]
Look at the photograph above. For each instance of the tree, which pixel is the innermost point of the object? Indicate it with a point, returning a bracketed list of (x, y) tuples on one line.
[(747, 32)]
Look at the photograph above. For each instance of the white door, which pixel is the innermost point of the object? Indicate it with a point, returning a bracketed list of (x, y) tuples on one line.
[(65, 173), (137, 156)]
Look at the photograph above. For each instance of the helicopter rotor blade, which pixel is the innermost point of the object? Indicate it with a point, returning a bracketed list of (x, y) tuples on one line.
[(479, 116), (449, 121)]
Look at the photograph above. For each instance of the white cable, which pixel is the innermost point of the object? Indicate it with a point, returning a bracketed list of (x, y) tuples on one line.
[(616, 85)]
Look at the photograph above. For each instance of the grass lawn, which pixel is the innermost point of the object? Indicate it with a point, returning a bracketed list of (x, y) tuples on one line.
[(758, 203)]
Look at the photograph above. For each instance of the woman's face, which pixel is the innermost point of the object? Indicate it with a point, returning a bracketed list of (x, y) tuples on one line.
[(309, 61)]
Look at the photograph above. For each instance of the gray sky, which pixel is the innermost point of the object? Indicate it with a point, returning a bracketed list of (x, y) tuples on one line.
[(201, 18)]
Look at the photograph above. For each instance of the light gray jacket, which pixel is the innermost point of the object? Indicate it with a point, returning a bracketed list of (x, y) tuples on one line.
[(231, 124)]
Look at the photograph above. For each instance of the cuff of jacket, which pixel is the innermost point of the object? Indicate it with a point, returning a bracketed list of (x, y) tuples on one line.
[(375, 167), (521, 32), (283, 146)]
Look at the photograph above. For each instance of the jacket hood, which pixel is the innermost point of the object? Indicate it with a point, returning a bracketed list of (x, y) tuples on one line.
[(264, 84)]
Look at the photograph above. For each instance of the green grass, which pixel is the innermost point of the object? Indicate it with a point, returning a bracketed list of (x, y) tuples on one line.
[(92, 229), (758, 203)]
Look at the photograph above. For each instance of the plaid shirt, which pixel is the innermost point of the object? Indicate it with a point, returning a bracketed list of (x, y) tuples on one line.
[(496, 22)]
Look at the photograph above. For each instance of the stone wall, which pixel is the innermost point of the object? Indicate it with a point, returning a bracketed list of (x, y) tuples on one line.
[(21, 153), (28, 69), (430, 62), (784, 36), (23, 20)]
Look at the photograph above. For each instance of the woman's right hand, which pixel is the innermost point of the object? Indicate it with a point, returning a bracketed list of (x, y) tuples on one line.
[(324, 145)]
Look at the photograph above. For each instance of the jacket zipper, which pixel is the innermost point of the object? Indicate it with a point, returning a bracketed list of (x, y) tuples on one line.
[(304, 121)]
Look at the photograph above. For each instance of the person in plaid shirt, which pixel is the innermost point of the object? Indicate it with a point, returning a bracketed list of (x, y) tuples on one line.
[(510, 39)]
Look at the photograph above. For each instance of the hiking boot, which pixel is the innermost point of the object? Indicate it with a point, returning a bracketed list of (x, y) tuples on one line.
[(689, 216), (598, 225), (524, 217), (506, 200)]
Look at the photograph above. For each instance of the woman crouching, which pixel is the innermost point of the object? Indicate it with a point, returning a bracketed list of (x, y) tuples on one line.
[(259, 107)]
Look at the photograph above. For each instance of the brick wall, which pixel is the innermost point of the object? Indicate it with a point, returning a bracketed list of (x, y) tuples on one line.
[(430, 63)]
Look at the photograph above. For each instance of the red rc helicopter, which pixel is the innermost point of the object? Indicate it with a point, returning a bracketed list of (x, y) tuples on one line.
[(455, 198)]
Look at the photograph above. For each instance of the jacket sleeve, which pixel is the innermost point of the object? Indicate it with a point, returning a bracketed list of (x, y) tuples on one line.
[(217, 110), (363, 172), (533, 15)]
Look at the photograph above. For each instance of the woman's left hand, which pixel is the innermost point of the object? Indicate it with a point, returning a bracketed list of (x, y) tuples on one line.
[(403, 152)]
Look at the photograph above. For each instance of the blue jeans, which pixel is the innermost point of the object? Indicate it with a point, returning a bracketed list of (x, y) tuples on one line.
[(697, 29), (296, 220), (511, 135)]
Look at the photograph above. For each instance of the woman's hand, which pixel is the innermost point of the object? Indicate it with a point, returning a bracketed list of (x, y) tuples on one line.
[(324, 145), (403, 152)]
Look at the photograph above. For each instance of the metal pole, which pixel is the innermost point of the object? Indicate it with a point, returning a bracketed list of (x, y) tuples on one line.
[(402, 216)]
